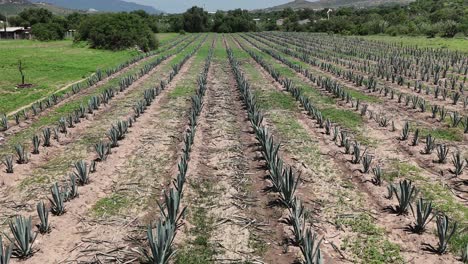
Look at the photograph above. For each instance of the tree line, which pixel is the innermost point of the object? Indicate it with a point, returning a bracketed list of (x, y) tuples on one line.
[(115, 31)]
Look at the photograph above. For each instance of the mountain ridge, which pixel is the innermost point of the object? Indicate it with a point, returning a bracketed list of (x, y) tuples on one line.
[(321, 4), (101, 5)]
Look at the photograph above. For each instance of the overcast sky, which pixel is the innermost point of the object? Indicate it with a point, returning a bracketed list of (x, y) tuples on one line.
[(177, 6)]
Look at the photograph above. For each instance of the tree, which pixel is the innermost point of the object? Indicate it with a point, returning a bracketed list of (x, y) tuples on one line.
[(195, 19), (48, 31), (117, 32)]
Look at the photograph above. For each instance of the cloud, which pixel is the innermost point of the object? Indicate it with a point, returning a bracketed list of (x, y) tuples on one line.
[(178, 6)]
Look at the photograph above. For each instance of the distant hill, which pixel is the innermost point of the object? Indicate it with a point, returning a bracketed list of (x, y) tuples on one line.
[(101, 5), (302, 4), (13, 7)]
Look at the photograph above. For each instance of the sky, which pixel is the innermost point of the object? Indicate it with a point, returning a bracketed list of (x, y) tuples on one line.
[(179, 6)]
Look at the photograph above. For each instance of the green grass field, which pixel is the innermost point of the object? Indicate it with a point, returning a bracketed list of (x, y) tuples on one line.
[(165, 37), (48, 66), (460, 44)]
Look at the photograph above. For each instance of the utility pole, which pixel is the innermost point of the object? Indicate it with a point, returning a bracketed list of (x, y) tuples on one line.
[(328, 13)]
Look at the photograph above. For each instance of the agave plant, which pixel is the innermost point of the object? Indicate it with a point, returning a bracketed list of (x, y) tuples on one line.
[(405, 195), (464, 257), (356, 153), (8, 162), (72, 187), (377, 180), (22, 156), (442, 152), (288, 187), (43, 214), (415, 138), (296, 219), (4, 122), (405, 132), (171, 208), (422, 216), (36, 143), (458, 162), (81, 172), (366, 163), (5, 253), (23, 236), (57, 201), (160, 244), (430, 145), (46, 136), (311, 248), (103, 150), (445, 231)]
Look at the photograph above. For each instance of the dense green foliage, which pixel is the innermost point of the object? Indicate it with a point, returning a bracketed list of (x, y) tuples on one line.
[(196, 19), (45, 26), (445, 18), (117, 32)]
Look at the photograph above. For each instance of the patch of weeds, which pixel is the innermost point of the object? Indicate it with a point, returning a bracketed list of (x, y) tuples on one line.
[(399, 169), (346, 118), (369, 245), (181, 91), (33, 181), (275, 100), (198, 249), (449, 134), (110, 205)]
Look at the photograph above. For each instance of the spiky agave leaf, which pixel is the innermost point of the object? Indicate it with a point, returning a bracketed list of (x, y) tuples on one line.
[(289, 183), (36, 143), (43, 214), (445, 231), (8, 162), (442, 152), (171, 207), (81, 172), (21, 154), (23, 236), (422, 216), (5, 253), (160, 244), (405, 195), (58, 200), (311, 248), (458, 163)]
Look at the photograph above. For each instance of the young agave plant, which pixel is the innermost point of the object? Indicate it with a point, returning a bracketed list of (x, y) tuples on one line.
[(377, 180), (356, 153), (288, 187), (366, 163), (405, 195), (46, 135), (5, 252), (23, 236), (72, 192), (296, 219), (57, 201), (311, 248), (415, 138), (464, 257), (422, 216), (81, 172), (430, 145), (405, 132), (8, 162), (458, 162), (160, 245), (43, 214), (36, 144), (4, 122), (445, 231), (442, 152), (103, 150), (21, 155)]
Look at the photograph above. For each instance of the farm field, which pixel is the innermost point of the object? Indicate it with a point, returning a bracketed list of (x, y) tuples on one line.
[(50, 66), (266, 147)]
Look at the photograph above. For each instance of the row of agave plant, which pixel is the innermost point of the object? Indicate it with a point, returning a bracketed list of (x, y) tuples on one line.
[(39, 106), (21, 244), (338, 91), (370, 83), (397, 69), (405, 191), (283, 179), (161, 234), (75, 116)]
